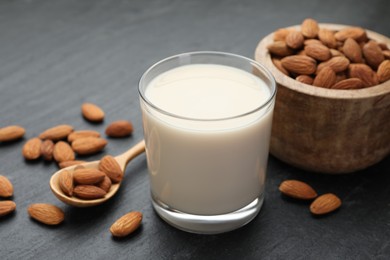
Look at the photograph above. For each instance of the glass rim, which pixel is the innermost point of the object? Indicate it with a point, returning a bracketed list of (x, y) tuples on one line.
[(263, 69)]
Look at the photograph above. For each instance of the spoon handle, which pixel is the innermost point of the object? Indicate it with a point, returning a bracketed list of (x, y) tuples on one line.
[(127, 156)]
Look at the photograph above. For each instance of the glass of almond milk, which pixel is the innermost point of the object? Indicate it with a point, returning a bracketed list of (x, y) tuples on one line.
[(207, 120)]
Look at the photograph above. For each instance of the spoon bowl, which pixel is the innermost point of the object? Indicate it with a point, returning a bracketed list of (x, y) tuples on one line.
[(122, 160)]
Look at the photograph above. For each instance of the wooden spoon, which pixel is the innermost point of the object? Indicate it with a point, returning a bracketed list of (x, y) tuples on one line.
[(122, 160)]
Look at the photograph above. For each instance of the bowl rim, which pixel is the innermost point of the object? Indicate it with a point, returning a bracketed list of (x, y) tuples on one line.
[(263, 56)]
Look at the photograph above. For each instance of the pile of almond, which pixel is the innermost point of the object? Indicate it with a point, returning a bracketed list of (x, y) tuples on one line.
[(321, 205), (344, 59), (90, 184)]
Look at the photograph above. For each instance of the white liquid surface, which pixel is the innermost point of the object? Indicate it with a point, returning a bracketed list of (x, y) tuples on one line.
[(207, 167)]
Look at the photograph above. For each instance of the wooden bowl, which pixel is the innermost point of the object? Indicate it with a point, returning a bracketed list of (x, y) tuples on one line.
[(328, 130)]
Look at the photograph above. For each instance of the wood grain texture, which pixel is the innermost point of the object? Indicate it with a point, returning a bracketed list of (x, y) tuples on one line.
[(57, 54)]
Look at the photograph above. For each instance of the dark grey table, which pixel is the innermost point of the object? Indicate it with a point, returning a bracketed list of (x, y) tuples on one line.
[(55, 55)]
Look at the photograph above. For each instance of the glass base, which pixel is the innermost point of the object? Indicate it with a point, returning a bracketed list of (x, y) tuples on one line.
[(213, 224)]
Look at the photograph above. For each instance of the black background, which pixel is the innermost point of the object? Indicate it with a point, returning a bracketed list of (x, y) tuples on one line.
[(55, 55)]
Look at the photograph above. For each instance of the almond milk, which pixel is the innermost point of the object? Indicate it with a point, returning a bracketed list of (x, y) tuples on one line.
[(205, 156)]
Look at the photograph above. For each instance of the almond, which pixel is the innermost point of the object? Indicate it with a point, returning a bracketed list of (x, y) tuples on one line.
[(340, 76), (63, 152), (92, 112), (312, 41), (335, 53), (88, 192), (278, 65), (352, 51), (310, 28), (351, 83), (327, 38), (297, 189), (281, 34), (299, 64), (305, 79), (294, 40), (105, 184), (110, 166), (363, 72), (56, 133), (126, 224), (46, 213), (47, 148), (355, 33), (337, 64), (65, 181), (32, 149), (318, 52), (6, 207), (373, 54), (6, 188), (82, 134), (88, 176), (70, 163), (325, 204), (325, 78), (11, 133), (384, 71), (88, 145), (279, 48), (386, 54), (119, 128)]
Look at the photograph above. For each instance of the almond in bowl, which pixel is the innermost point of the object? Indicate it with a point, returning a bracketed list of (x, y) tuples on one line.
[(332, 111)]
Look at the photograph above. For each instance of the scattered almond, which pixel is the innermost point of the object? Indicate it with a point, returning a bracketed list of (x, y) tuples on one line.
[(63, 152), (119, 128), (299, 64), (325, 204), (6, 187), (88, 145), (6, 207), (47, 149), (70, 163), (56, 133), (110, 166), (88, 176), (32, 149), (88, 192), (82, 134), (65, 181), (384, 71), (92, 112), (46, 213), (11, 133), (126, 224), (297, 189)]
